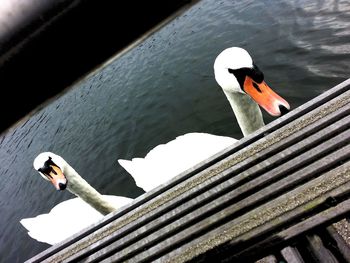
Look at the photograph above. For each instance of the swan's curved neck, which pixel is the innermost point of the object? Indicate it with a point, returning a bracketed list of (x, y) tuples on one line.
[(248, 113), (78, 186)]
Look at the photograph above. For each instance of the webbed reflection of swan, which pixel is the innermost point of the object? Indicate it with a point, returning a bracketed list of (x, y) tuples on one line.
[(243, 84), (71, 216)]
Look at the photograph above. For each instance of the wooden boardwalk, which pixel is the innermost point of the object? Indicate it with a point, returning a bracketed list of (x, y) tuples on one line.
[(274, 194)]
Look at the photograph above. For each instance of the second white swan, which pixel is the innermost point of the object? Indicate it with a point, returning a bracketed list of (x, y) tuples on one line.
[(243, 84)]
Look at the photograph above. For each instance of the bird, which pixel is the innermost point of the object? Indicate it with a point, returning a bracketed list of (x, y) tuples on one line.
[(243, 84), (73, 215)]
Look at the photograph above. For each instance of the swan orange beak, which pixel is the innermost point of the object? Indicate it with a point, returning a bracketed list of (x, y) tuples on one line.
[(57, 178), (262, 94)]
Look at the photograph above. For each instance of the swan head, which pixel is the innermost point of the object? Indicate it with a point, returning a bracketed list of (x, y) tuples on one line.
[(236, 72), (51, 167)]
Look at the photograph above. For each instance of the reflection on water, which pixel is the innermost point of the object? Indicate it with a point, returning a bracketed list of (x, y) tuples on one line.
[(163, 88)]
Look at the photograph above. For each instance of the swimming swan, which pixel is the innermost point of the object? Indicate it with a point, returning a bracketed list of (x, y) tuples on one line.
[(243, 84), (71, 216)]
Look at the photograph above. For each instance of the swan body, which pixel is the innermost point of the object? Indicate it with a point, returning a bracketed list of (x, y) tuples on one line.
[(71, 216), (245, 89), (66, 219), (168, 160)]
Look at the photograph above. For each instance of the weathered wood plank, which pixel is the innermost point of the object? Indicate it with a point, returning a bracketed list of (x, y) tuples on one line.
[(292, 255), (268, 259), (289, 234), (292, 205), (341, 245), (320, 252)]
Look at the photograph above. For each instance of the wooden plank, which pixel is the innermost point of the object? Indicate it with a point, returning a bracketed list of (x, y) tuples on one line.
[(291, 255), (268, 259), (292, 205), (340, 243), (289, 234), (320, 252)]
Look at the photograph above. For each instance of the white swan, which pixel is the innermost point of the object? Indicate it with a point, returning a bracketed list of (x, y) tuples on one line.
[(243, 84), (71, 216)]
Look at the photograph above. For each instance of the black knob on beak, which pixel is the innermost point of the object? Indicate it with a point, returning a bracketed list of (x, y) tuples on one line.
[(283, 110), (62, 186)]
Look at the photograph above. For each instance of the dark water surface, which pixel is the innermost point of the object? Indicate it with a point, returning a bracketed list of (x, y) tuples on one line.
[(163, 88)]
